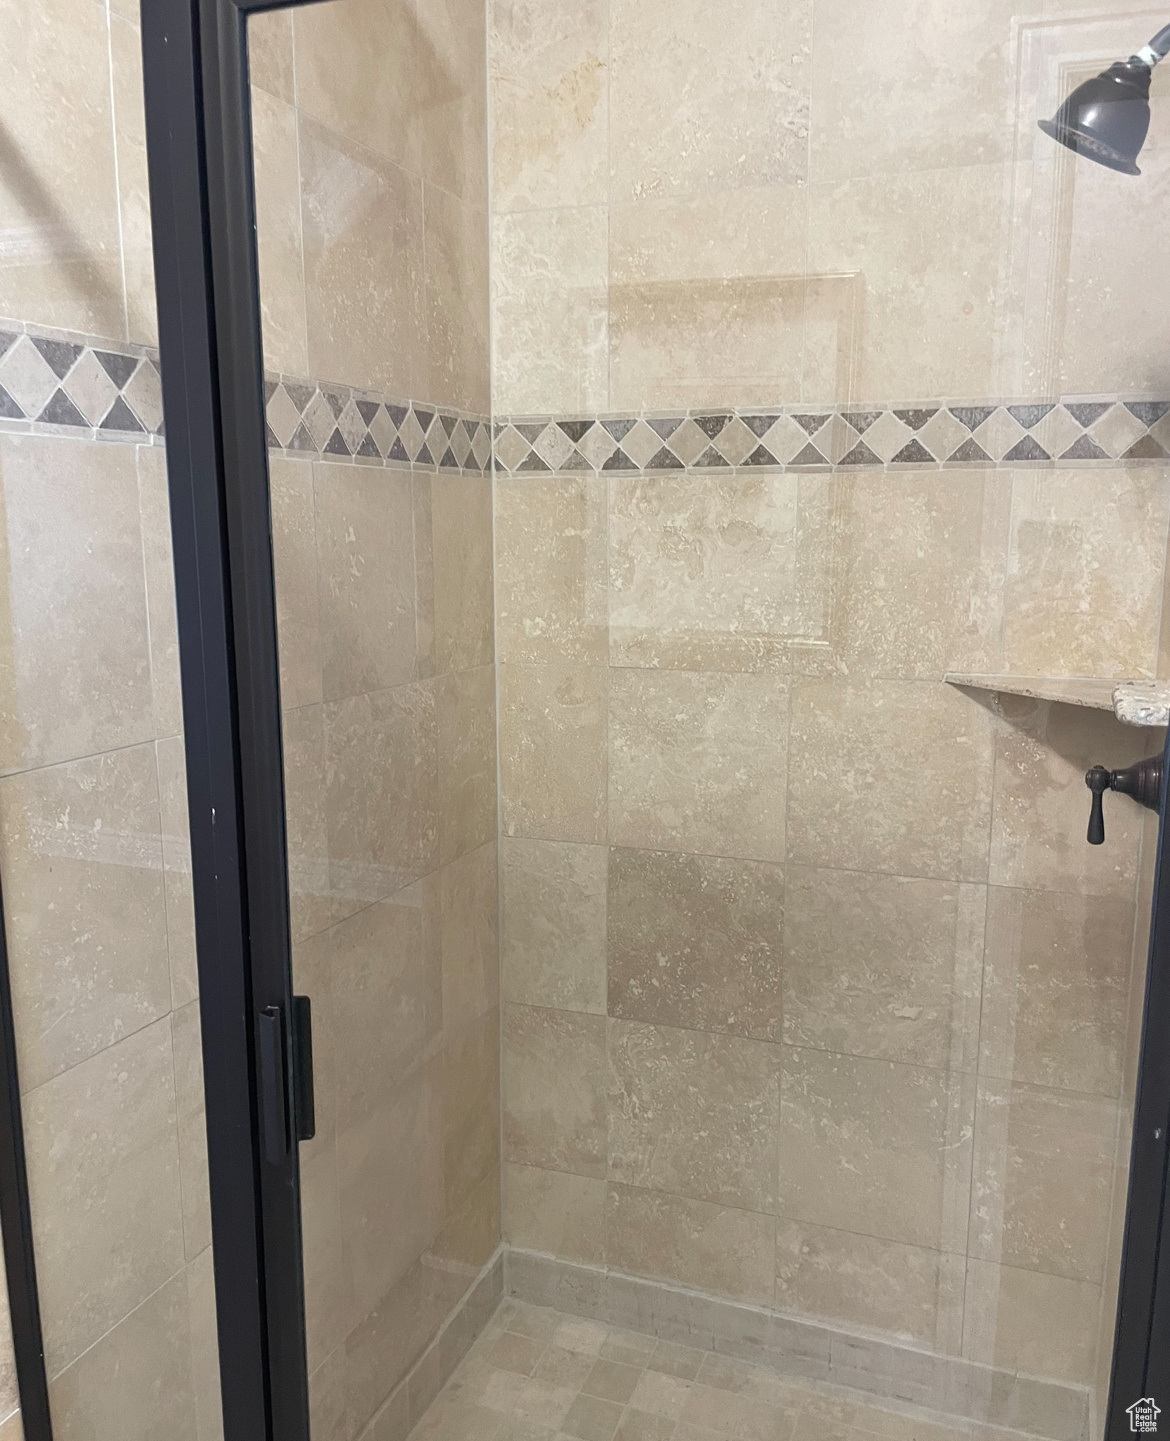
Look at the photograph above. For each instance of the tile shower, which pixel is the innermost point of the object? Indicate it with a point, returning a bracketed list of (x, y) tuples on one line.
[(662, 398)]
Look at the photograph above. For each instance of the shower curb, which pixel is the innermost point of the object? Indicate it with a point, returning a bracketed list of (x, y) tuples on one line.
[(794, 1346)]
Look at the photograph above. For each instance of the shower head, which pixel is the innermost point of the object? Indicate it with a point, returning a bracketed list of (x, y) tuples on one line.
[(1106, 118)]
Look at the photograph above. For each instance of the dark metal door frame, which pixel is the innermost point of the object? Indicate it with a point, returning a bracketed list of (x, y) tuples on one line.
[(1141, 1356), (199, 144)]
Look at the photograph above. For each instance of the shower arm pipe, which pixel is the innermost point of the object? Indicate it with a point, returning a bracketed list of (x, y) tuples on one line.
[(1157, 49)]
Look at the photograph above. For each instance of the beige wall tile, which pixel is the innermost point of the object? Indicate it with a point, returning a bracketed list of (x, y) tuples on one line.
[(192, 1119), (707, 298), (75, 678), (471, 1112), (456, 273), (136, 1382), (915, 92), (889, 776), (1027, 1321), (699, 762), (1042, 1179), (1102, 335), (555, 1213), (133, 181), (1039, 816), (294, 546), (365, 578), (278, 229), (176, 855), (270, 52), (706, 564), (876, 1148), (103, 1163), (550, 310), (61, 200), (363, 240), (452, 96), (710, 112), (358, 72), (554, 1090), (694, 1114), (382, 800), (330, 1305), (466, 714), (696, 342), (317, 897), (551, 538), (470, 938), (385, 997), (883, 966), (1055, 989), (906, 1291), (472, 1230), (553, 897), (155, 512), (81, 850), (1084, 572), (390, 1176), (552, 740), (696, 941), (550, 103), (204, 1348), (461, 549), (713, 1248), (926, 247), (916, 586)]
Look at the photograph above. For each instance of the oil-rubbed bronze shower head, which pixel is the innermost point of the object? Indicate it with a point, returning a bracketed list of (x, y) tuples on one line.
[(1106, 119)]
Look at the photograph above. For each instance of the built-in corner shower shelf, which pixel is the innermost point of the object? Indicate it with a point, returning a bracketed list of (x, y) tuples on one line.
[(1136, 702)]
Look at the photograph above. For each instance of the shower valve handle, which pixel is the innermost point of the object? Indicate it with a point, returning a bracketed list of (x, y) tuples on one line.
[(1142, 781)]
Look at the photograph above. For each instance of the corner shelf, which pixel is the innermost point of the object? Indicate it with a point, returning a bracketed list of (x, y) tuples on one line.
[(1136, 702)]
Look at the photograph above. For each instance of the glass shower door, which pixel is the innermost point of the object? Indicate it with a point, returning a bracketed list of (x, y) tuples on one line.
[(375, 347)]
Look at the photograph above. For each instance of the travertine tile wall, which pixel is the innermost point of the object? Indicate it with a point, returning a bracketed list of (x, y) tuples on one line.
[(814, 995), (371, 172), (798, 203)]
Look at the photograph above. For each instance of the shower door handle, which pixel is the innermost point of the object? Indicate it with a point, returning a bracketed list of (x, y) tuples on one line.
[(286, 1077)]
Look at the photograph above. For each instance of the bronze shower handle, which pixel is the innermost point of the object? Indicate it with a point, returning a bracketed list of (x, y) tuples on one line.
[(1142, 781)]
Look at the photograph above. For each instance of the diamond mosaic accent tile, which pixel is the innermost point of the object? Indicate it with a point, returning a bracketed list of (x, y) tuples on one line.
[(143, 394), (91, 388), (27, 377), (553, 446), (596, 445), (61, 411), (998, 433), (1115, 432), (888, 435)]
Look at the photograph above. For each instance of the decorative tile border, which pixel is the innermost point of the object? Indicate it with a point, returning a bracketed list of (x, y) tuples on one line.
[(58, 383), (1071, 432), (335, 422), (52, 382)]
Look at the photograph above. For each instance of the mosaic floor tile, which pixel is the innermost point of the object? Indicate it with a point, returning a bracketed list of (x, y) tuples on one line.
[(539, 1375)]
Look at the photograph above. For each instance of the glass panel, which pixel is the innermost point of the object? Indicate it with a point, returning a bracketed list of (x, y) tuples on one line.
[(371, 178), (94, 848)]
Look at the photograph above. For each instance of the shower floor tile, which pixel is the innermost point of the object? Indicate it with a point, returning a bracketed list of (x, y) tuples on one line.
[(539, 1375)]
